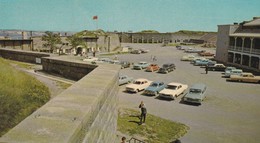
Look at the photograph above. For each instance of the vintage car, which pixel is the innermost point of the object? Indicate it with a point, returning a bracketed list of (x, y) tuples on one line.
[(196, 93), (204, 62), (217, 67), (187, 58), (138, 85), (206, 54), (135, 52), (173, 90), (144, 50), (167, 68), (124, 79), (90, 59), (140, 65), (191, 50), (154, 88), (197, 59), (245, 77), (125, 64), (229, 68), (152, 67), (233, 72)]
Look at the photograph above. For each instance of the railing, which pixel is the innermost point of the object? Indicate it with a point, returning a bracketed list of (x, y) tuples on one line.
[(256, 51), (135, 140), (245, 50)]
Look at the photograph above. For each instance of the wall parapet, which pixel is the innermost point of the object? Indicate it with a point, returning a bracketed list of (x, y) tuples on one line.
[(85, 112), (23, 56)]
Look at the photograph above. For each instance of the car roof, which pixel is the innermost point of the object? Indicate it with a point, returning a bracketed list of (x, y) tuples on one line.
[(198, 86), (140, 79), (236, 70), (157, 82), (174, 83)]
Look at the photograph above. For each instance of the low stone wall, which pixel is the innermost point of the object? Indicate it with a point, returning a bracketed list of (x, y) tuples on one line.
[(85, 112), (23, 56), (70, 69)]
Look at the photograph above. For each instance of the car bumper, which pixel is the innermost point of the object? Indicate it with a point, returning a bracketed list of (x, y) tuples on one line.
[(147, 92), (191, 100), (166, 96)]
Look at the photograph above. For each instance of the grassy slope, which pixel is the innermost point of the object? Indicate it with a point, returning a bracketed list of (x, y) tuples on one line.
[(20, 95), (156, 130)]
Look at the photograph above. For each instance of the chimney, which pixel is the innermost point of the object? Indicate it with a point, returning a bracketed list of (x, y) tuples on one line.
[(24, 35)]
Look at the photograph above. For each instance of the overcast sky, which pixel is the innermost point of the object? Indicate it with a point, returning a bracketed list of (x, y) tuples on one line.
[(125, 15)]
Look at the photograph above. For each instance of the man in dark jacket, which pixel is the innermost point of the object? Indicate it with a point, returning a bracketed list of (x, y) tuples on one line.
[(143, 112)]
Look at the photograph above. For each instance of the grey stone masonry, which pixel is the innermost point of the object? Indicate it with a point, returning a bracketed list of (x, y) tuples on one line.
[(23, 56), (85, 112)]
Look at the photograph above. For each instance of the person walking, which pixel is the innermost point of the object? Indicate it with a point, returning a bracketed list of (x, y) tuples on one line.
[(143, 112), (206, 69)]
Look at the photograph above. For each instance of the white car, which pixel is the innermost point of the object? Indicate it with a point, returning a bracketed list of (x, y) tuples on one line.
[(187, 58), (90, 59), (138, 85), (173, 90)]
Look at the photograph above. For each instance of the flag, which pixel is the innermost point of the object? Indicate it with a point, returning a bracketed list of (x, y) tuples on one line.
[(95, 17)]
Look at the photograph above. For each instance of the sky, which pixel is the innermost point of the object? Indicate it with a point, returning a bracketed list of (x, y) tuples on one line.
[(125, 15)]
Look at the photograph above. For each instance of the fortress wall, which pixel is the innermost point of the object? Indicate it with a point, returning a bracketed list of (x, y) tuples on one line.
[(85, 112), (23, 56)]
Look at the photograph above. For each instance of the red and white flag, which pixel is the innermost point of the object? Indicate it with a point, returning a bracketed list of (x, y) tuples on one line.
[(95, 17)]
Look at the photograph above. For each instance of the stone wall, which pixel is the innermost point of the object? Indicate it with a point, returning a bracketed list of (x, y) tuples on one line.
[(74, 70), (23, 56), (85, 112)]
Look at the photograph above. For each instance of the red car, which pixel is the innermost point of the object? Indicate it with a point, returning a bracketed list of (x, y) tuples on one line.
[(206, 54), (152, 67)]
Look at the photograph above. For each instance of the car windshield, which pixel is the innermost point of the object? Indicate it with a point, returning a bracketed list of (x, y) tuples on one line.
[(165, 66), (137, 82), (171, 87), (154, 84), (195, 91)]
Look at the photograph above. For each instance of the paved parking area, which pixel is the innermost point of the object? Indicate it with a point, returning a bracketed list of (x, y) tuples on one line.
[(230, 113)]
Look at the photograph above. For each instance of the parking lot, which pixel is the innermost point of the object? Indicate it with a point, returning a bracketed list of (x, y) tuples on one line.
[(229, 114)]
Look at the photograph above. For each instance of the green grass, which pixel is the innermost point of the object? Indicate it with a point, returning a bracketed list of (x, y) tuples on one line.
[(155, 130), (20, 64), (63, 85), (20, 95)]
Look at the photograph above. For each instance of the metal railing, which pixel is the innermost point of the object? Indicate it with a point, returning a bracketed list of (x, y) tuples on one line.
[(245, 50)]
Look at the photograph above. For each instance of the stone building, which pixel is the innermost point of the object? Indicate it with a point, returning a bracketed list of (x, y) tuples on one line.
[(105, 42), (20, 44), (239, 44), (166, 38), (23, 43)]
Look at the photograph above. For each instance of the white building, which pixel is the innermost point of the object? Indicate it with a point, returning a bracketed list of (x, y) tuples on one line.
[(239, 44)]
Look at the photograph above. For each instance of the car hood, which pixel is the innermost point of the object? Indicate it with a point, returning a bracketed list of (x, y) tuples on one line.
[(150, 88), (193, 95), (168, 91)]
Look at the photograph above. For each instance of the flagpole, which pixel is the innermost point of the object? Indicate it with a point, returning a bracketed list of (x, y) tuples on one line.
[(97, 24)]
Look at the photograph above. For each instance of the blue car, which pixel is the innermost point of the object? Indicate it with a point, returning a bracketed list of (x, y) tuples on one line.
[(204, 62), (154, 88), (196, 93), (141, 65)]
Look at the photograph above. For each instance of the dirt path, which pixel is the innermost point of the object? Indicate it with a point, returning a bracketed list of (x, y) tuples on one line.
[(55, 84)]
